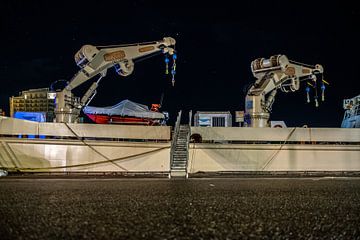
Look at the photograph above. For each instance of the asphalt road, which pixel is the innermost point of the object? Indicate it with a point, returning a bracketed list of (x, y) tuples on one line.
[(319, 208)]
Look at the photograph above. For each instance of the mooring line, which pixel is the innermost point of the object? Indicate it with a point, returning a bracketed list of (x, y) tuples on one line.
[(277, 151), (92, 148)]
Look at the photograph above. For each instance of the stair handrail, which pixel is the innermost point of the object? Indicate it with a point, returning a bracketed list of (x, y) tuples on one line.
[(174, 137), (188, 142), (190, 118), (187, 150)]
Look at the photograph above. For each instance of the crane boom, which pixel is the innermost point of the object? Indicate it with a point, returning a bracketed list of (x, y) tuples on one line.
[(94, 61), (277, 72)]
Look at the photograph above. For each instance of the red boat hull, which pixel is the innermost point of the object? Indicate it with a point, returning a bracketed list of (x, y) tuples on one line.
[(106, 119)]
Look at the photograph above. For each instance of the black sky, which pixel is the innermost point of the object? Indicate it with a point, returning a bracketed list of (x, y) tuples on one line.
[(215, 42)]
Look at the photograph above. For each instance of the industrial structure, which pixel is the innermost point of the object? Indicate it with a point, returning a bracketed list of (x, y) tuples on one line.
[(211, 146), (278, 72), (33, 101), (95, 61), (352, 113), (212, 119)]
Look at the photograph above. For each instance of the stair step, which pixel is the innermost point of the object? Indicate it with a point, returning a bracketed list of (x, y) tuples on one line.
[(178, 166), (178, 174), (179, 169), (180, 163), (179, 160), (180, 153)]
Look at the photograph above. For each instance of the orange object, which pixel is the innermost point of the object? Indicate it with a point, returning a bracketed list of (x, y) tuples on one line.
[(155, 107)]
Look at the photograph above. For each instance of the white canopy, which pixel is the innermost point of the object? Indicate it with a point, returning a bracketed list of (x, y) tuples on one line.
[(125, 108)]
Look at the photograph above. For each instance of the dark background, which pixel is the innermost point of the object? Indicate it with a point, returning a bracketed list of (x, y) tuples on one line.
[(216, 43)]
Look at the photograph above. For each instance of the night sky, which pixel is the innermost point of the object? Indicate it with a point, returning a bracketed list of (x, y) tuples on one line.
[(215, 42)]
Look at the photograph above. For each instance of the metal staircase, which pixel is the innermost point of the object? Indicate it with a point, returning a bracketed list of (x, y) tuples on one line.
[(180, 150)]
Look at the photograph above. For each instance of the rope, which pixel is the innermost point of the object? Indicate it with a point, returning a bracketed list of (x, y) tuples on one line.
[(92, 148), (277, 151)]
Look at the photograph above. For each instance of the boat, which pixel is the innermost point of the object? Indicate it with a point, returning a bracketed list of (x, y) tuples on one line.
[(70, 148), (139, 146), (125, 112)]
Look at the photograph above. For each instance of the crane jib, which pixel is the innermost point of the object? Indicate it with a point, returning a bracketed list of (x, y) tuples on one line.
[(117, 55)]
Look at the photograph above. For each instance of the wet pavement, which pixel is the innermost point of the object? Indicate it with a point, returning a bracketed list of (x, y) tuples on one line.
[(236, 208)]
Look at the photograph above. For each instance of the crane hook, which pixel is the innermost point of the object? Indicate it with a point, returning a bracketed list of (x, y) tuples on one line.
[(173, 71), (166, 65)]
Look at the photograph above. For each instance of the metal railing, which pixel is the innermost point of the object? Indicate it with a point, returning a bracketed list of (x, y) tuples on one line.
[(174, 137), (188, 142)]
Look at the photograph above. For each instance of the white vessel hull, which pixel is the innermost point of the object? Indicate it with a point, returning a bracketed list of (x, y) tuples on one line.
[(274, 149), (268, 157), (56, 147), (83, 156)]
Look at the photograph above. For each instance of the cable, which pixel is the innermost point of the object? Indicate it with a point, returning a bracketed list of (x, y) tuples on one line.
[(277, 152)]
